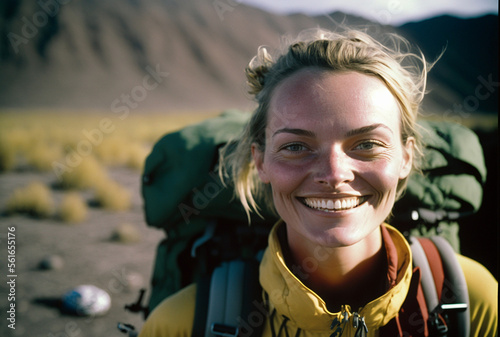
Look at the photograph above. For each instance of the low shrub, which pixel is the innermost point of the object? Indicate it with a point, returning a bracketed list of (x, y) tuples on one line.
[(73, 208), (34, 199), (19, 139), (88, 173), (113, 151), (7, 154), (112, 196), (137, 156), (42, 155)]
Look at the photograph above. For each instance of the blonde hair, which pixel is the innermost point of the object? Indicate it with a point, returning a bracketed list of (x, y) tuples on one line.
[(403, 72)]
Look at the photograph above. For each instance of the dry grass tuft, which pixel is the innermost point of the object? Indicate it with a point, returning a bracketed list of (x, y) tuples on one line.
[(34, 199), (7, 154), (88, 173), (120, 151), (137, 156), (112, 196), (26, 134), (42, 155), (73, 208), (113, 151), (19, 139)]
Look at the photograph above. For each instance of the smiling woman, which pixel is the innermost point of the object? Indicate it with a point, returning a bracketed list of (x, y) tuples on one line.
[(338, 142), (330, 146)]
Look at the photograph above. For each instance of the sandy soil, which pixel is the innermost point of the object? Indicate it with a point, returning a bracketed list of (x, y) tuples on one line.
[(90, 257)]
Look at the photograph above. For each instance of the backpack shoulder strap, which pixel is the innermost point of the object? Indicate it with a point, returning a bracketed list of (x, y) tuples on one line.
[(228, 300), (201, 306), (444, 286), (455, 295)]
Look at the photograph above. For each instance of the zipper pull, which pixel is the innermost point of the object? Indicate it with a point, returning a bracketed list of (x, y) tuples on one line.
[(362, 329), (355, 320), (345, 319), (339, 325), (335, 323)]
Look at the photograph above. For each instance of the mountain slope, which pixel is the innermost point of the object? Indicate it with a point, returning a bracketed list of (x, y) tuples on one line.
[(152, 54), (465, 79)]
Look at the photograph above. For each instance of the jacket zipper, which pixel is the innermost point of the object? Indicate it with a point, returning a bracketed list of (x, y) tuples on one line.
[(339, 323)]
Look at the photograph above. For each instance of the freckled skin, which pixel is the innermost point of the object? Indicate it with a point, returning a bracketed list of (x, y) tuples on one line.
[(333, 135)]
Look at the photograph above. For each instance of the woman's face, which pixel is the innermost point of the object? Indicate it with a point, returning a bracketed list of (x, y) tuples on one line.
[(333, 155)]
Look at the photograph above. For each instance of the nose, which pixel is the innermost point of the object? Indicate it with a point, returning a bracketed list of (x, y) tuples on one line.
[(334, 168)]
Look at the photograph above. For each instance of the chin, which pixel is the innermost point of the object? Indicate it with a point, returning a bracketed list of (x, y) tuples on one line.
[(335, 237), (343, 235)]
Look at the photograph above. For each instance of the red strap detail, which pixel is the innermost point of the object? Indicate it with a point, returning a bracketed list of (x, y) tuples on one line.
[(421, 301), (392, 257), (413, 316), (435, 263)]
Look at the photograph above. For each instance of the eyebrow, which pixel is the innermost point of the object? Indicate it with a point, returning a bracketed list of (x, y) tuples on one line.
[(350, 133), (366, 129), (299, 132)]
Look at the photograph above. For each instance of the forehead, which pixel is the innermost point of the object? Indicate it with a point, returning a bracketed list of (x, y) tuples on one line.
[(314, 97)]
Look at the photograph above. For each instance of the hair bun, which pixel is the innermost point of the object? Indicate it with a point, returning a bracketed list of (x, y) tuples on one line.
[(257, 69)]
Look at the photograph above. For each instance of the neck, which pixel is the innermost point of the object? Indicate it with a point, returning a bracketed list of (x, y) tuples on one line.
[(351, 275)]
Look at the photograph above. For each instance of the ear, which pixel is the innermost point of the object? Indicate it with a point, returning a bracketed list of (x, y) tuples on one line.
[(258, 158), (407, 162)]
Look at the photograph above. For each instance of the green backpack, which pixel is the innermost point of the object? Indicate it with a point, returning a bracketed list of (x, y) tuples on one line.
[(205, 225)]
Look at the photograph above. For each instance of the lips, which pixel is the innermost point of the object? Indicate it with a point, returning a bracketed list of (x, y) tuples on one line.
[(333, 205)]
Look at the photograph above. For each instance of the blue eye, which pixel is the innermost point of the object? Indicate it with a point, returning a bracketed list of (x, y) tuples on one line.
[(295, 147), (368, 145)]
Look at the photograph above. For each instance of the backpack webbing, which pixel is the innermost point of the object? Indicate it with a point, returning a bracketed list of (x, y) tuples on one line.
[(231, 301), (444, 286)]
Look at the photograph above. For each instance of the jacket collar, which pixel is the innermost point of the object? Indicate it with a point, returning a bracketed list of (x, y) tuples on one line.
[(291, 298)]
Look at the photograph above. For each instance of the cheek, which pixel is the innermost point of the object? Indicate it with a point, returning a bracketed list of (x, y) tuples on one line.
[(383, 176), (284, 177)]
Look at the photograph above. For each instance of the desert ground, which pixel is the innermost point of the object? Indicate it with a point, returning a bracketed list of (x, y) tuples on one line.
[(89, 256), (110, 245), (87, 251)]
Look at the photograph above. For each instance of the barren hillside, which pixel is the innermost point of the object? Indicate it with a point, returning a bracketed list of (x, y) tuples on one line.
[(119, 55)]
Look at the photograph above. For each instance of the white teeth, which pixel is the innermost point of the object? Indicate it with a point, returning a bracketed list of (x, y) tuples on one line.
[(331, 205), (323, 204)]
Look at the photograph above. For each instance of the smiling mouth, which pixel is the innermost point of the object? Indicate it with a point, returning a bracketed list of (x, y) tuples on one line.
[(333, 205)]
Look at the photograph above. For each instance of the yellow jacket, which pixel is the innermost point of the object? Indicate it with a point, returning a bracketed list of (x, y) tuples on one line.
[(298, 311)]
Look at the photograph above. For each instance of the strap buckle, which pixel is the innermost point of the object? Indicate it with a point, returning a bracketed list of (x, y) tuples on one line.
[(437, 325), (438, 318), (224, 330)]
